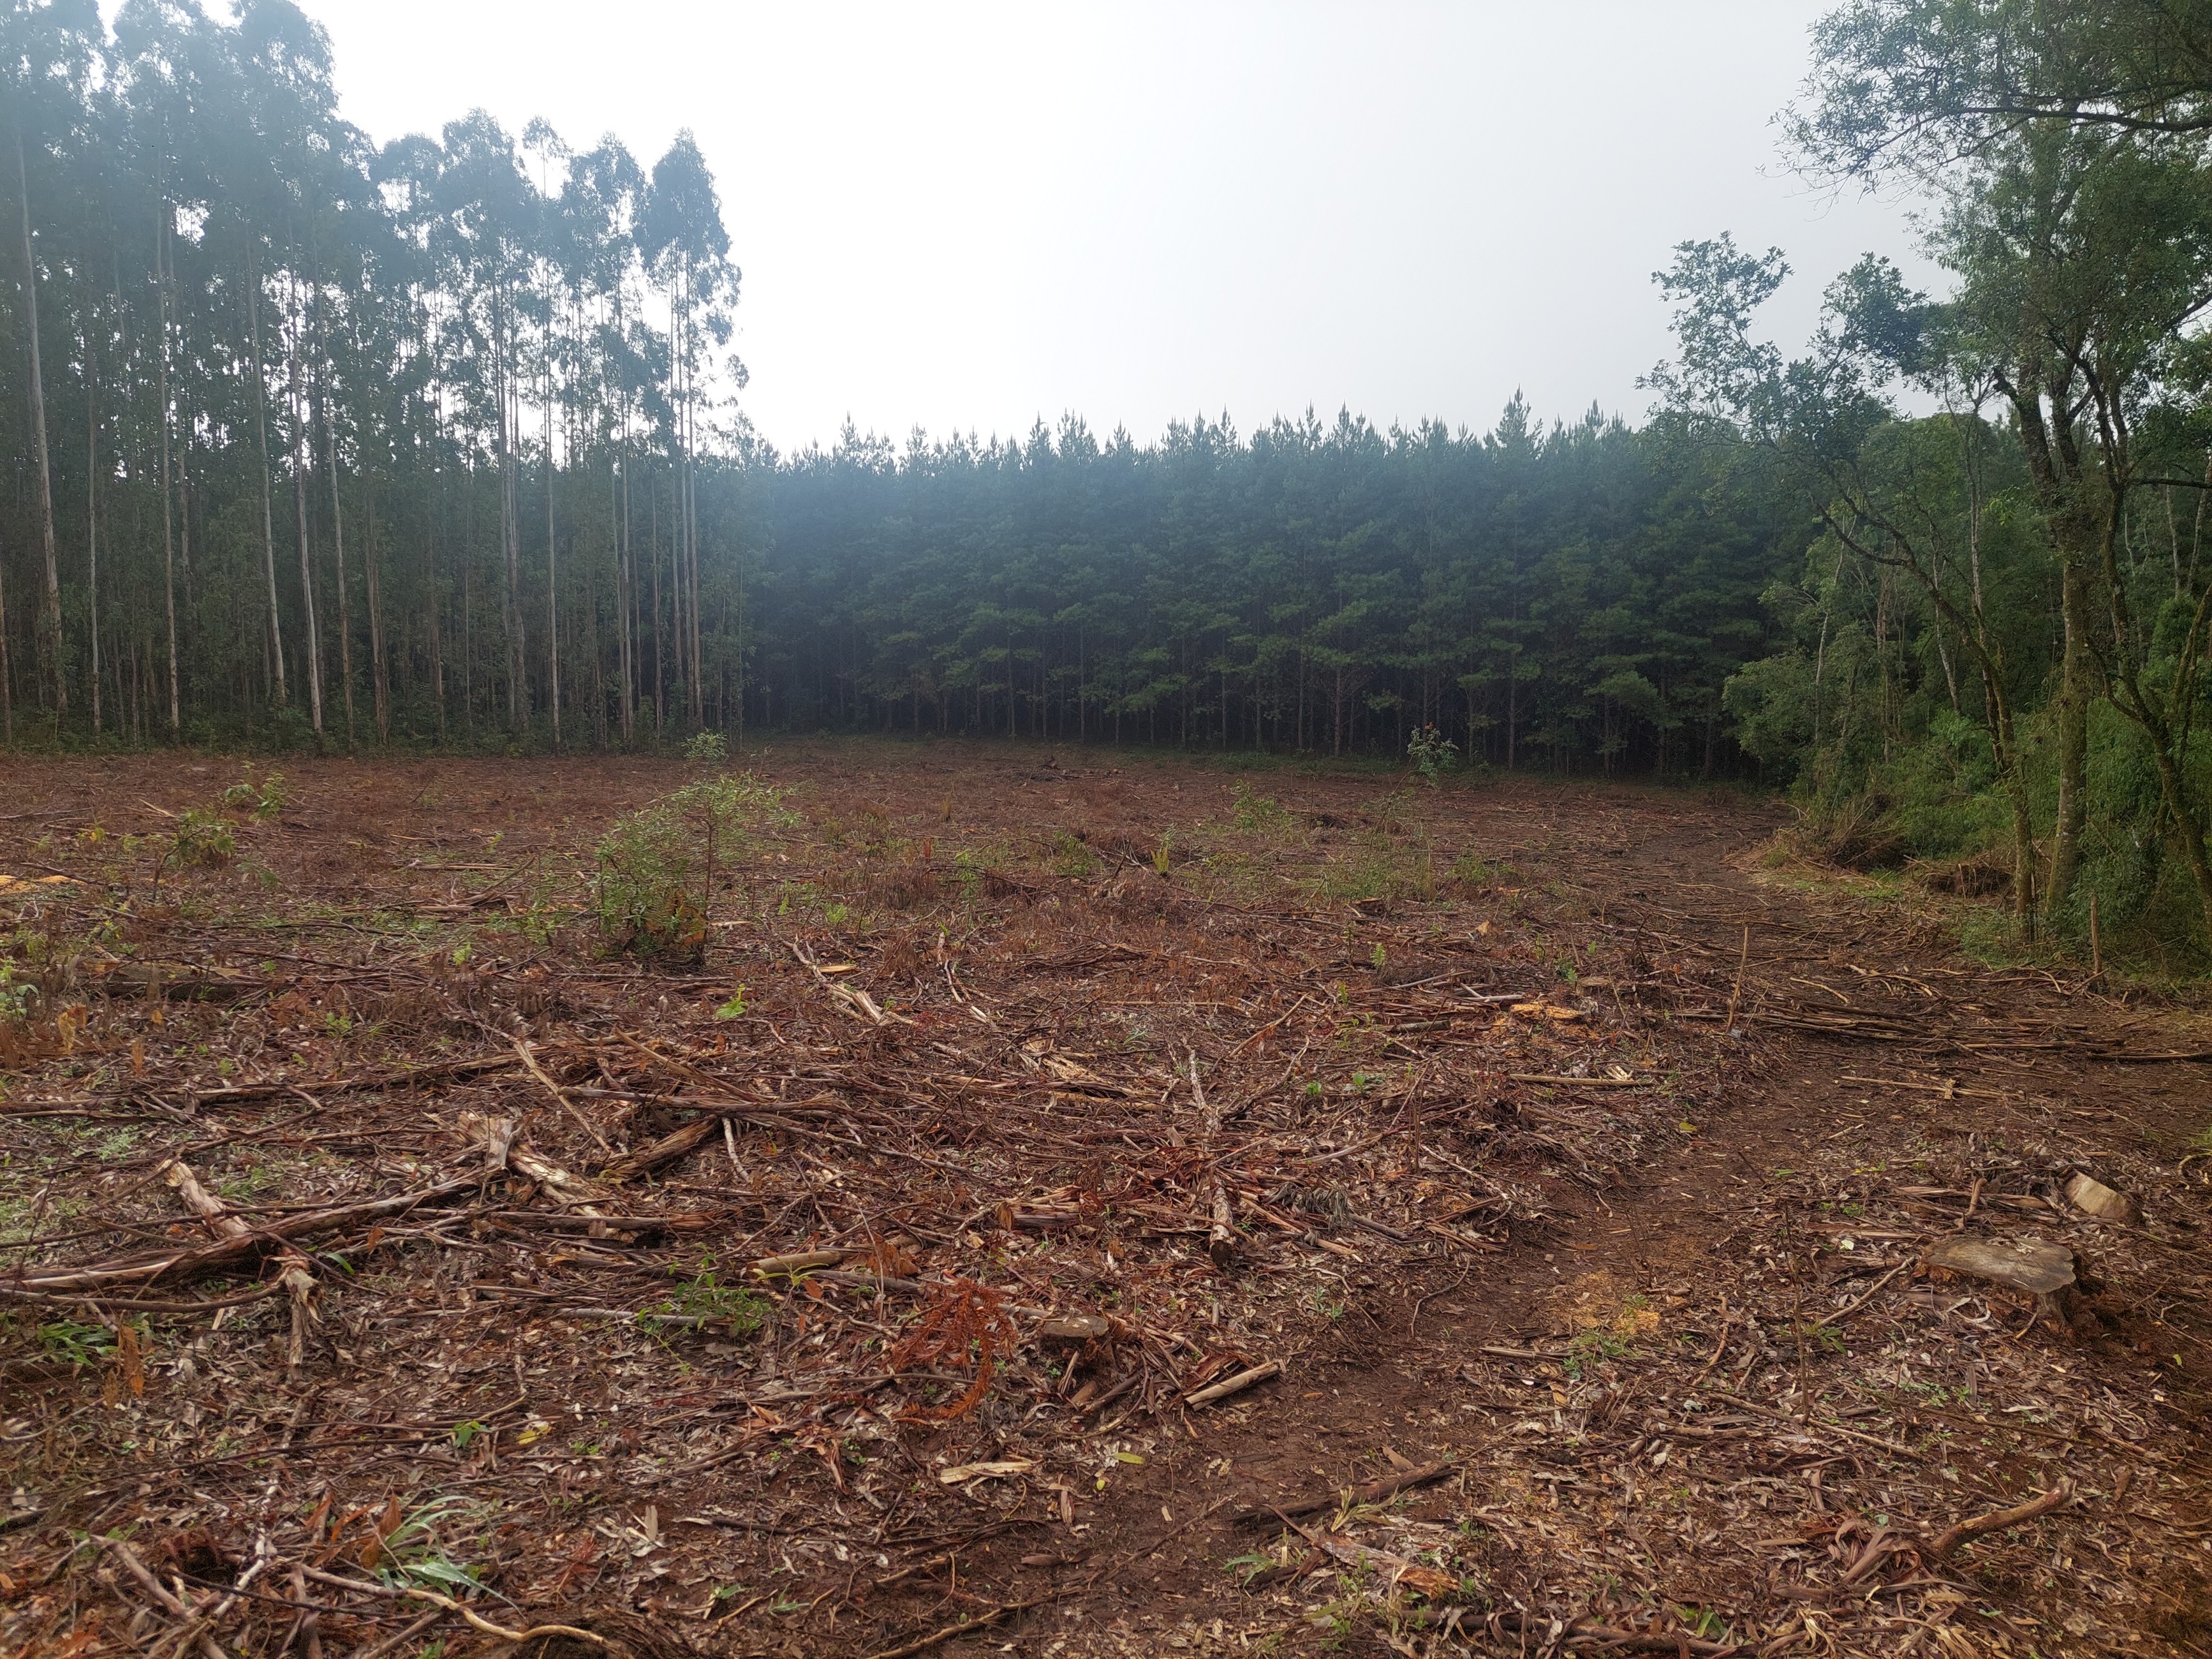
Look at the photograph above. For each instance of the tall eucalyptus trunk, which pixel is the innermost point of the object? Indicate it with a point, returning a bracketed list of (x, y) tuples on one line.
[(275, 636), (297, 397), (92, 495), (168, 540), (50, 631)]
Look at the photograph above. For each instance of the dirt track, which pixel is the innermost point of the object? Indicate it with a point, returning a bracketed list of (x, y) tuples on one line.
[(1666, 1328)]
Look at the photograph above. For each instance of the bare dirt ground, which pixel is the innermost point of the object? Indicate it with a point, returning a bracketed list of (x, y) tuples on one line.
[(1079, 1204)]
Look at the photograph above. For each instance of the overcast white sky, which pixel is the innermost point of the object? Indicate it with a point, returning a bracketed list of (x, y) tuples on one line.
[(969, 215)]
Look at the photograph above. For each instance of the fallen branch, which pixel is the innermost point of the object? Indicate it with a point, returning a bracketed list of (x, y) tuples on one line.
[(206, 1258), (1374, 1492), (1998, 1520), (1521, 1627), (201, 1203), (476, 1621), (298, 1281), (689, 1137), (208, 1647), (1235, 1384), (1846, 1311), (495, 1137), (1428, 1580), (989, 1616), (1583, 1082), (522, 1052)]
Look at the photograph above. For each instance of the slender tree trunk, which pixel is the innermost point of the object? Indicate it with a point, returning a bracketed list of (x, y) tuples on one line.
[(380, 690), (7, 669), (659, 671), (297, 398), (168, 554), (338, 552), (92, 502), (268, 510), (552, 577), (431, 607), (2073, 723), (625, 598), (50, 643), (510, 528)]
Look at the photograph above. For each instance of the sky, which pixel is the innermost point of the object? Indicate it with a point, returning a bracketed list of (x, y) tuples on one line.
[(973, 216)]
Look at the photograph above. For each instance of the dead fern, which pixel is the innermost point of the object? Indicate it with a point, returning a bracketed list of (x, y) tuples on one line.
[(961, 1314)]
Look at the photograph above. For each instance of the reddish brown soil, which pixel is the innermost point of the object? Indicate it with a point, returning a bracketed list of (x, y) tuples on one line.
[(1695, 1392)]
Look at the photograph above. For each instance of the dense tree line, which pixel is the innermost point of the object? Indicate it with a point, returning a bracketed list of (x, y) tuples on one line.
[(437, 442), (358, 442), (1570, 597), (2001, 631)]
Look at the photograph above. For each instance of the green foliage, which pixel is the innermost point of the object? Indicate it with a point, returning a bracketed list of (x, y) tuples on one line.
[(425, 1548), (1432, 753), (657, 867), (704, 1299), (202, 837), (18, 996), (1072, 857), (1588, 1349), (74, 1344), (707, 748), (1380, 866), (263, 800), (1262, 815)]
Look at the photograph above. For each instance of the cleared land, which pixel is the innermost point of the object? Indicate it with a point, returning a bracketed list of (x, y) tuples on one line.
[(1079, 1204)]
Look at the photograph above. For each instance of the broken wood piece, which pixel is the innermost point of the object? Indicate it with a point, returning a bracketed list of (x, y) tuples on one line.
[(1235, 1384), (1581, 1082), (1003, 1468), (492, 1133), (1374, 1492), (2045, 1272), (2025, 1265), (798, 1261), (571, 1190), (2092, 1197), (666, 1150), (1075, 1327), (1221, 1242), (1997, 1520), (144, 1269), (300, 1289), (1428, 1580), (522, 1052), (496, 1135), (202, 1203)]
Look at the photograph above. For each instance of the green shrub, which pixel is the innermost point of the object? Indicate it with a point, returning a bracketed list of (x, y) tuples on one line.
[(1258, 814), (1431, 752), (264, 800), (18, 997), (202, 838), (707, 748), (657, 867)]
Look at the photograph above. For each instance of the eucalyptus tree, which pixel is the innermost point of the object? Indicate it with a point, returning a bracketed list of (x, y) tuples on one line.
[(685, 243), (601, 201), (489, 215), (50, 61)]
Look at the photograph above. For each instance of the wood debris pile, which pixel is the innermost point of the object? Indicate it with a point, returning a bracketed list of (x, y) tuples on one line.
[(435, 1269)]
